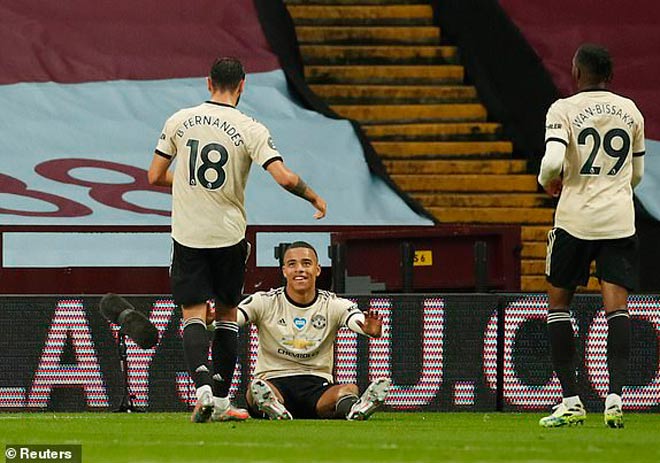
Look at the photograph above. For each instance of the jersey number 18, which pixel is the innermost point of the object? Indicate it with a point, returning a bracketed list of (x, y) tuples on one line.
[(198, 174)]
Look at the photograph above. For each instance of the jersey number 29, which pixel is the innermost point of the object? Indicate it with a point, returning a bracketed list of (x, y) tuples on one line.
[(620, 154)]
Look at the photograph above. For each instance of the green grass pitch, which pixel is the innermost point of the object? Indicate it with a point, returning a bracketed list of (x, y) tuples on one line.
[(387, 437)]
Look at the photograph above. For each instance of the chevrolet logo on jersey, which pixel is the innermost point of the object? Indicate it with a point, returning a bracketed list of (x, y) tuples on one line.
[(300, 343)]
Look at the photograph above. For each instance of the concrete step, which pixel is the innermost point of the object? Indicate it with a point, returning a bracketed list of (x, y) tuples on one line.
[(371, 114), (533, 250), (455, 166), (399, 75), (535, 233), (448, 131), (436, 149), (465, 183), (508, 215), (532, 267), (372, 15), (370, 54), (392, 94), (538, 283), (383, 35), (511, 200)]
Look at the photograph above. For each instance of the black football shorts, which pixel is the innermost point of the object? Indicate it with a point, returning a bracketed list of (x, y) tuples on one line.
[(301, 393), (568, 260), (198, 275)]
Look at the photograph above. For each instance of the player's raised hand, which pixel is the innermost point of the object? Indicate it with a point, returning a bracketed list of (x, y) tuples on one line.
[(373, 324)]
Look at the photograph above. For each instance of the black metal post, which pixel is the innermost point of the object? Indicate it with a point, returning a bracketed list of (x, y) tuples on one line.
[(407, 262), (337, 254), (480, 266)]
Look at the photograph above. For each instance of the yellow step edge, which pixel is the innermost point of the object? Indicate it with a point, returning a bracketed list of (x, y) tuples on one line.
[(412, 113), (394, 91), (467, 183), (412, 148), (504, 215), (431, 129), (535, 233), (532, 267), (512, 200), (373, 52), (373, 34), (452, 166), (440, 71), (533, 250), (361, 12)]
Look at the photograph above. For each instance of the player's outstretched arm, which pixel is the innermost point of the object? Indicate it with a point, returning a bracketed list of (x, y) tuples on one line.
[(292, 182), (372, 325)]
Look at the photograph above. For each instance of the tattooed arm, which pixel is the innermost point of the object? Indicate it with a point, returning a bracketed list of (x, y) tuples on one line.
[(290, 181)]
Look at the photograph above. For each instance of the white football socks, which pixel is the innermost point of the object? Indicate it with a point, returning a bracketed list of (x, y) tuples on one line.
[(572, 401)]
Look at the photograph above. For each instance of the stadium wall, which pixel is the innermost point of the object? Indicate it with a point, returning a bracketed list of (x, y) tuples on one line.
[(478, 352)]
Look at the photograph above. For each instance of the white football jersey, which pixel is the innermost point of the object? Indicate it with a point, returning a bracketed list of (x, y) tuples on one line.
[(296, 340), (214, 145), (602, 132)]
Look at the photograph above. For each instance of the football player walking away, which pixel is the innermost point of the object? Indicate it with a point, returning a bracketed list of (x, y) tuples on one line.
[(593, 160), (215, 145)]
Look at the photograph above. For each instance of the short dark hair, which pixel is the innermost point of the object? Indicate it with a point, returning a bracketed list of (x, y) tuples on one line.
[(595, 60), (226, 73), (299, 244)]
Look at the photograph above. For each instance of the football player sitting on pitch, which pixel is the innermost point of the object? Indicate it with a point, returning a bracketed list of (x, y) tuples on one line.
[(297, 329)]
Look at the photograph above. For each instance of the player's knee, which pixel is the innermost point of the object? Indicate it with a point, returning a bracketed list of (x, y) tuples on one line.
[(347, 389), (225, 313)]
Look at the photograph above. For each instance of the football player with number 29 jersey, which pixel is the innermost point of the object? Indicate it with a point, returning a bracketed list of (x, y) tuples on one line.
[(594, 158), (215, 144)]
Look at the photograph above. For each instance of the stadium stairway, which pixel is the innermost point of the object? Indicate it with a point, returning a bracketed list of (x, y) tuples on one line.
[(384, 64)]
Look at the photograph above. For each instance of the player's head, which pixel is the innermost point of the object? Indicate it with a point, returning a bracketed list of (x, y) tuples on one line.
[(227, 76), (592, 65), (300, 266)]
